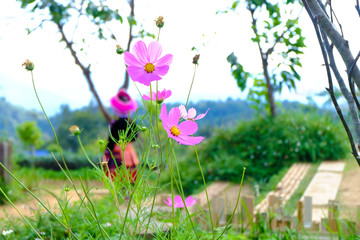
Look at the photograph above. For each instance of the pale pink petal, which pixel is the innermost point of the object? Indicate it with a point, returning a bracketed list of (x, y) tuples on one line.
[(168, 202), (146, 97), (161, 70), (188, 140), (178, 202), (131, 60), (200, 116), (165, 60), (140, 52), (135, 72), (163, 115), (154, 52), (141, 76), (174, 116), (183, 111), (190, 201), (191, 113), (167, 93), (188, 127)]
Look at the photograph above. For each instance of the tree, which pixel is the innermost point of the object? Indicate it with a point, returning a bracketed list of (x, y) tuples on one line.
[(277, 33), (99, 15), (30, 135), (329, 36)]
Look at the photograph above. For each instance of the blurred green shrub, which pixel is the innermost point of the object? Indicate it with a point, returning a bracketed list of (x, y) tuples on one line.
[(264, 146), (73, 161)]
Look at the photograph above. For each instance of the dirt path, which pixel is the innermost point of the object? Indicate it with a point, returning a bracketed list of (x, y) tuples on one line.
[(324, 187), (349, 192), (286, 187), (30, 206)]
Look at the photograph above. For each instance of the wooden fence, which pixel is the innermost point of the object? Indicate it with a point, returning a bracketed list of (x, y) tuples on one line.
[(6, 160), (245, 215)]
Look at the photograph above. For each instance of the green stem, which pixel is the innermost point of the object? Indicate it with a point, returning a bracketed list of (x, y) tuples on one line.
[(93, 209), (182, 191), (206, 193), (26, 220), (158, 37), (192, 82), (237, 203), (52, 128)]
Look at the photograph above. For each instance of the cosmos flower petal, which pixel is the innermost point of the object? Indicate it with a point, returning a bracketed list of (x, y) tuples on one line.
[(191, 113), (200, 116), (188, 127), (190, 201), (154, 52), (146, 97), (167, 93), (163, 115), (188, 140), (140, 51), (161, 70), (165, 60), (131, 60), (183, 111), (174, 116)]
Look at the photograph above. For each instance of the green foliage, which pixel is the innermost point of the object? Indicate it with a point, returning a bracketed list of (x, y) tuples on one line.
[(73, 161), (277, 33), (264, 146), (89, 120), (30, 134)]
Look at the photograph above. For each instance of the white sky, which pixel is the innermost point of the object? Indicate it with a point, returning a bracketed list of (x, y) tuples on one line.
[(188, 23)]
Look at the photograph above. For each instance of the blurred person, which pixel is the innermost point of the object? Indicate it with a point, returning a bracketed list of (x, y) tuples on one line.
[(123, 105)]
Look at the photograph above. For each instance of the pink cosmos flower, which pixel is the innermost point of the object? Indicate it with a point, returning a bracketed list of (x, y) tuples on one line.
[(178, 202), (144, 65), (179, 132), (160, 96), (190, 115)]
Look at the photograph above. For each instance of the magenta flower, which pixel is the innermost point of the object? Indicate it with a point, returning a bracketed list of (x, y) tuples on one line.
[(144, 65), (178, 202), (159, 96), (179, 132), (190, 115)]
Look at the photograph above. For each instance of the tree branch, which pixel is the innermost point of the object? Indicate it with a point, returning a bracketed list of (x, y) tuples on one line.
[(339, 42), (86, 72)]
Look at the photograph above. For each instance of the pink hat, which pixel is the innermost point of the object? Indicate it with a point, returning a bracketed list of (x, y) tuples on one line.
[(122, 103)]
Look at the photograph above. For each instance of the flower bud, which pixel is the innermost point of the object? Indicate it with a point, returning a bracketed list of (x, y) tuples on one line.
[(155, 146), (28, 65), (119, 50), (67, 189), (143, 128), (159, 22), (75, 130), (101, 142), (196, 59)]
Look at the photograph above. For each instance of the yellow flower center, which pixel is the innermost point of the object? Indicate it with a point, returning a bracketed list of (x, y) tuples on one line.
[(149, 67), (175, 131)]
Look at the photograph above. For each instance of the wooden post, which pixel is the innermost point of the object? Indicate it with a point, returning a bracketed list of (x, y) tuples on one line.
[(332, 215), (215, 210), (323, 225), (307, 212), (6, 160), (300, 214)]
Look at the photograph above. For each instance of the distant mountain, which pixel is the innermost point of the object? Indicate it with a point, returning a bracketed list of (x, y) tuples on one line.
[(12, 116), (222, 114)]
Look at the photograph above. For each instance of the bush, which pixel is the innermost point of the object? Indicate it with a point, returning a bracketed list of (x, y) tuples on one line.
[(264, 146), (73, 161)]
